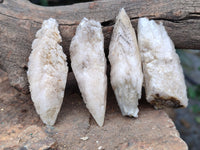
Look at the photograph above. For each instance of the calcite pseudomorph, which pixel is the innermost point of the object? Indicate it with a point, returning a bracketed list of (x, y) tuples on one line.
[(47, 72), (126, 70), (89, 66), (163, 74)]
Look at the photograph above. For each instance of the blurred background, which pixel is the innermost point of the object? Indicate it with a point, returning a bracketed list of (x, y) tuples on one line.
[(187, 120)]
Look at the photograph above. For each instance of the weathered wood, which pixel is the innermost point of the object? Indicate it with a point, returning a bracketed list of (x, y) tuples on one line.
[(20, 126), (20, 19)]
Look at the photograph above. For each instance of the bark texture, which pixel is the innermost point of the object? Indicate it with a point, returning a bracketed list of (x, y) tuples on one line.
[(20, 19), (21, 127)]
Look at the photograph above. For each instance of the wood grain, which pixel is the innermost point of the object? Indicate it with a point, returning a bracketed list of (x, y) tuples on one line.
[(21, 127), (20, 19)]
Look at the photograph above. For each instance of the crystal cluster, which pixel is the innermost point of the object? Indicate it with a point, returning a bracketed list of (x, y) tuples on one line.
[(89, 66), (163, 74), (47, 72), (155, 58), (126, 71)]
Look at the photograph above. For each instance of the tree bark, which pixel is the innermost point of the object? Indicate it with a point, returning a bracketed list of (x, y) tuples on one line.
[(20, 19)]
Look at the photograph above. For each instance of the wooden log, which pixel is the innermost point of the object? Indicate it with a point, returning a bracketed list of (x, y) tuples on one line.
[(21, 127), (20, 19)]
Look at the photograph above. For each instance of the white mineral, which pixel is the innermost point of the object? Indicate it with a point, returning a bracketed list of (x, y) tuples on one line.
[(163, 75), (89, 66), (126, 71), (47, 72)]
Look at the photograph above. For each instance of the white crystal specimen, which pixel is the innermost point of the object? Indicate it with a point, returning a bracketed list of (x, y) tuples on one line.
[(47, 72), (89, 66), (126, 69), (163, 75)]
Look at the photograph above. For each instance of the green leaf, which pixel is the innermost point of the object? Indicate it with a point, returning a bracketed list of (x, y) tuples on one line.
[(192, 93), (185, 60), (199, 68), (197, 119), (44, 2), (198, 92), (195, 108)]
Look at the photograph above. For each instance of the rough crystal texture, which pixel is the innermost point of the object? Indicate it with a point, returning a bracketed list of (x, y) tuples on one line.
[(47, 72), (89, 66), (163, 75), (126, 70)]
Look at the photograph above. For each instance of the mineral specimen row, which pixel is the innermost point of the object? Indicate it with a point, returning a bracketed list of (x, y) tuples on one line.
[(152, 55)]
